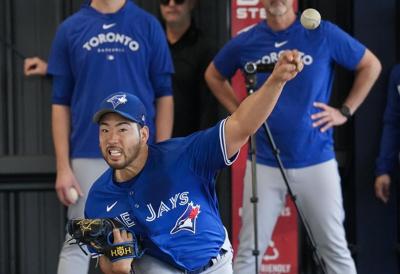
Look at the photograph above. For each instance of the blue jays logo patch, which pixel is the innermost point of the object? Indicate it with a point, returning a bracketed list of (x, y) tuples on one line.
[(117, 100), (187, 221)]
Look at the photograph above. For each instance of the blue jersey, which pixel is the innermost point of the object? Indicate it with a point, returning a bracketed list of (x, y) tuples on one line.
[(390, 142), (291, 125), (98, 54), (172, 202)]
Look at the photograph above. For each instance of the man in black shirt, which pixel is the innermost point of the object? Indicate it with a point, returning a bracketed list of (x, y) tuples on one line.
[(195, 106)]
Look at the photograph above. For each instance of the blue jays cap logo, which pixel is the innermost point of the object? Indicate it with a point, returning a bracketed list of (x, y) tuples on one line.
[(125, 104), (187, 221), (117, 100)]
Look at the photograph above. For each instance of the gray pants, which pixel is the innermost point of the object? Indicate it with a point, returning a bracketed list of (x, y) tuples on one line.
[(72, 260), (150, 265), (319, 196)]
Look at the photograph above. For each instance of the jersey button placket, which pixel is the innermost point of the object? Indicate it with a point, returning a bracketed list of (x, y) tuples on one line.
[(132, 199)]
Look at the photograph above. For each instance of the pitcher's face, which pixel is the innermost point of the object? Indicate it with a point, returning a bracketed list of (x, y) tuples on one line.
[(120, 140)]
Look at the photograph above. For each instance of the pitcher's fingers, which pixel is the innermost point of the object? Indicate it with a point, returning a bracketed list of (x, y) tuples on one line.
[(117, 236), (300, 66), (129, 236), (123, 232)]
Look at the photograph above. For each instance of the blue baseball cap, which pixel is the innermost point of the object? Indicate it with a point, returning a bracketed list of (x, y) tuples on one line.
[(125, 104)]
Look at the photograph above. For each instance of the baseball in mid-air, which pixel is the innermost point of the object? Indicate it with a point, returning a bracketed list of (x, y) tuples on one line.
[(73, 195), (310, 19)]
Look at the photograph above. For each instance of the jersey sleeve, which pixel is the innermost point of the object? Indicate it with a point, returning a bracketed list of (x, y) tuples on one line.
[(161, 66), (390, 141), (208, 151), (345, 50), (62, 90), (59, 67), (227, 60), (162, 84), (87, 212), (59, 62)]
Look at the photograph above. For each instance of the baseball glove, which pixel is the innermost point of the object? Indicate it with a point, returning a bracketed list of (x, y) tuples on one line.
[(97, 235)]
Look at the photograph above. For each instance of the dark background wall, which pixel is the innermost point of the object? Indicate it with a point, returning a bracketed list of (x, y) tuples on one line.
[(379, 253), (31, 219)]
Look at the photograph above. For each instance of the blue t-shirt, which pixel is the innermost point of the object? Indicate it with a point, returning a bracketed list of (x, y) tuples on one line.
[(390, 142), (98, 54), (172, 202), (291, 125)]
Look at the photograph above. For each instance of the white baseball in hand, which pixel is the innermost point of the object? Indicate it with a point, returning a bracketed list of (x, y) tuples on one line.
[(310, 19), (72, 195)]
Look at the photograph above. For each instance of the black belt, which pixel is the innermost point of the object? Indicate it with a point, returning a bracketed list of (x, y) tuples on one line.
[(207, 266)]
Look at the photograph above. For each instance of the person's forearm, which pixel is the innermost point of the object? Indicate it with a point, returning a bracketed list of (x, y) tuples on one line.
[(254, 110), (366, 74), (257, 107), (105, 265), (250, 115), (119, 267), (61, 129), (164, 118), (221, 89)]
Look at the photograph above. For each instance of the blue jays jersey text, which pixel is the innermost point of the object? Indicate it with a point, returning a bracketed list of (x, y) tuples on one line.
[(172, 202), (299, 143), (100, 54)]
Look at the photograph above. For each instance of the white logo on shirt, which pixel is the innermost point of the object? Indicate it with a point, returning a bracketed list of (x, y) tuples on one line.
[(398, 89), (280, 44), (157, 211), (246, 28), (105, 39), (126, 219), (187, 221), (108, 26), (111, 206), (273, 57)]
